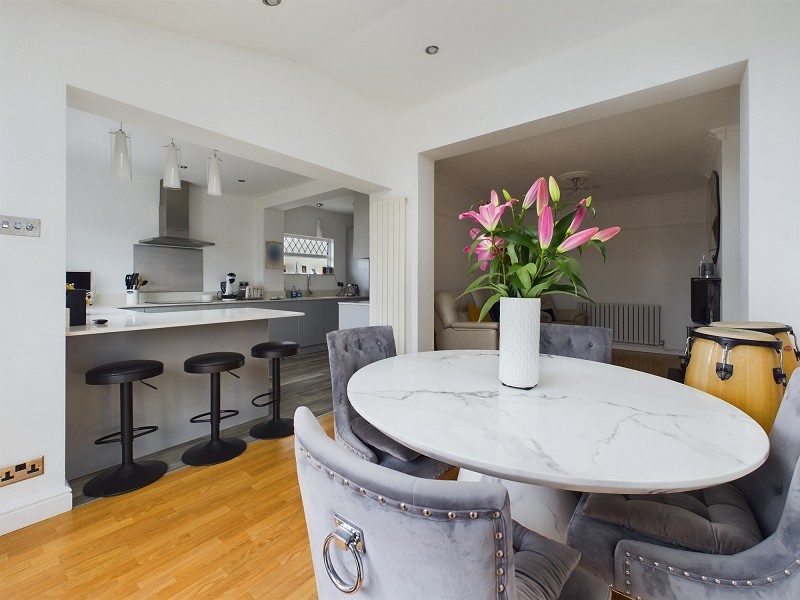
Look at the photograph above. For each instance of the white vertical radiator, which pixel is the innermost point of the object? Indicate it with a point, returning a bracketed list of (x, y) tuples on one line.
[(631, 323), (387, 272)]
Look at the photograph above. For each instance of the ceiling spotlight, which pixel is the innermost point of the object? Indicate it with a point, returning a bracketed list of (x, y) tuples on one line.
[(271, 2), (431, 50)]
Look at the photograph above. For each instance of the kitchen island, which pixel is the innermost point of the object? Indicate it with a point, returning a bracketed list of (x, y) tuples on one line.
[(170, 337)]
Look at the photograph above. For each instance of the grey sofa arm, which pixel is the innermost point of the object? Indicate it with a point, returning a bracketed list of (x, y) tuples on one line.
[(646, 570)]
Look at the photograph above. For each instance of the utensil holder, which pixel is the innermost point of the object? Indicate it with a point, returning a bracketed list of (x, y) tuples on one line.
[(131, 297)]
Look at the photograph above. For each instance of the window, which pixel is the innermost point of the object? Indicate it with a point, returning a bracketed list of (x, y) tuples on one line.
[(306, 254)]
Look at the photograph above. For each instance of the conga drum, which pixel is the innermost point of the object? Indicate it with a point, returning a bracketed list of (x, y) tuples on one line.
[(791, 355), (740, 366)]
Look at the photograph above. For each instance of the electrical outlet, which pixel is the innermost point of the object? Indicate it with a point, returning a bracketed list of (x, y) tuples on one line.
[(24, 470)]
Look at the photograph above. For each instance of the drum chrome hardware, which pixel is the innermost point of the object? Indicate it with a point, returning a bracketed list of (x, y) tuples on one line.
[(348, 537), (724, 370)]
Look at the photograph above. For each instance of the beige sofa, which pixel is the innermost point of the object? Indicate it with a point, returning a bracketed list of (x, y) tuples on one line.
[(565, 316), (451, 325), (454, 331)]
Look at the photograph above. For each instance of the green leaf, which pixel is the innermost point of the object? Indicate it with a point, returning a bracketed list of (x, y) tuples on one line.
[(488, 305)]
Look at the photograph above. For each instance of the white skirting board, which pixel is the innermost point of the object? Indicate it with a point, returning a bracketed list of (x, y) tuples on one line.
[(35, 509)]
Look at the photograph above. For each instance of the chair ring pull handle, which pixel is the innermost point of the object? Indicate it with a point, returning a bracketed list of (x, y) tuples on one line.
[(340, 583), (347, 537)]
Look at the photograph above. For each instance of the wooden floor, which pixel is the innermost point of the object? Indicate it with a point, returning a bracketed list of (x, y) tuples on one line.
[(234, 530)]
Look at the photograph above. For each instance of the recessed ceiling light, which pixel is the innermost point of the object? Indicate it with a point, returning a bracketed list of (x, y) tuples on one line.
[(184, 167), (271, 2), (241, 180), (431, 50)]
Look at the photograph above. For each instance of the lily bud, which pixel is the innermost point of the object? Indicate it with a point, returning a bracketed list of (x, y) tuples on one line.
[(577, 239), (606, 234), (555, 192), (546, 227)]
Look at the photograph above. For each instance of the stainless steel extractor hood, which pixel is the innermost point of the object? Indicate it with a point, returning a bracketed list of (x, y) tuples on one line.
[(173, 220)]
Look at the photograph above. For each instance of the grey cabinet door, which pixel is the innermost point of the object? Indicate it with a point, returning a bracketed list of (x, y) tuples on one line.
[(330, 315), (311, 326), (285, 329)]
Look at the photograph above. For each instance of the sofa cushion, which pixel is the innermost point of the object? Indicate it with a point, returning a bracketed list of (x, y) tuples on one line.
[(715, 520), (371, 436), (475, 311)]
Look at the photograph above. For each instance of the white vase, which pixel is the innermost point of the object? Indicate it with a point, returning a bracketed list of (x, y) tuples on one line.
[(519, 341)]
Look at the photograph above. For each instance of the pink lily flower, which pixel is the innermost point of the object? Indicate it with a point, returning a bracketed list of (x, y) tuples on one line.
[(576, 220), (546, 227), (577, 239), (494, 198), (485, 250), (606, 234), (538, 194), (488, 215)]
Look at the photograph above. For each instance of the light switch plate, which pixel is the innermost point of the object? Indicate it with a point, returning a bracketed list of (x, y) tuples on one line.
[(20, 226)]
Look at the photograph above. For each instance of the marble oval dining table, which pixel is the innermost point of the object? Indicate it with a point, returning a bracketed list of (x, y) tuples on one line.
[(586, 427)]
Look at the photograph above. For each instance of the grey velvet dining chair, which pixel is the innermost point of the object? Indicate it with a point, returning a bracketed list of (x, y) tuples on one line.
[(381, 534), (348, 351), (736, 541), (575, 341)]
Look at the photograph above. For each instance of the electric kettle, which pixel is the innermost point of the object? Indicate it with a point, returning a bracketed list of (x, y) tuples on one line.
[(228, 293), (351, 289)]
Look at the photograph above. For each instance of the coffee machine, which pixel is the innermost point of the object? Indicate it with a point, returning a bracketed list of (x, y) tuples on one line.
[(227, 289)]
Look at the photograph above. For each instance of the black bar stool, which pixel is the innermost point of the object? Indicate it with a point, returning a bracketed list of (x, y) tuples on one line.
[(217, 449), (130, 475), (275, 427)]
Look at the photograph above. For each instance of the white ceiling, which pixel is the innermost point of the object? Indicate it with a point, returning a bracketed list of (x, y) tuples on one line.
[(376, 48)]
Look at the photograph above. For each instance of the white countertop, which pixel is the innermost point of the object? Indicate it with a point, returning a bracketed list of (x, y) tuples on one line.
[(586, 426), (121, 319), (232, 303)]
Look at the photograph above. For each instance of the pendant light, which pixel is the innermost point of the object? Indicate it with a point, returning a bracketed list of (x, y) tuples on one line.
[(214, 180), (172, 166), (319, 220), (121, 153)]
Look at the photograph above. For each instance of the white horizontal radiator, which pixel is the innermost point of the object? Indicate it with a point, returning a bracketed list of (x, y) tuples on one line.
[(631, 323)]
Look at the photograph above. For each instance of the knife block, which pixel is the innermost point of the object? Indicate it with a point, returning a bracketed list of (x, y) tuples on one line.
[(76, 303)]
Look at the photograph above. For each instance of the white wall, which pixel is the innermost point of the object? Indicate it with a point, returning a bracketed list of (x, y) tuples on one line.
[(652, 260)]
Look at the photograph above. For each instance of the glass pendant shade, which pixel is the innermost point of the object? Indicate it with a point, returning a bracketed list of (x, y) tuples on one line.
[(319, 228), (214, 180), (172, 167), (120, 154)]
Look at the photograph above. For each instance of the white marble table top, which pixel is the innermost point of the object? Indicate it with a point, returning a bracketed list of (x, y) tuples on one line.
[(120, 319), (586, 426)]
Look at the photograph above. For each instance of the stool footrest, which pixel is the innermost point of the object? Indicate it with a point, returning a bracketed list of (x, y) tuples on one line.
[(206, 416), (253, 401), (116, 437)]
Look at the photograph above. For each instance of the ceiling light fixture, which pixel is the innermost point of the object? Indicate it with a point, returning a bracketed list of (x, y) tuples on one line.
[(121, 153), (214, 179), (319, 220), (432, 50), (271, 2), (172, 166), (577, 179)]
